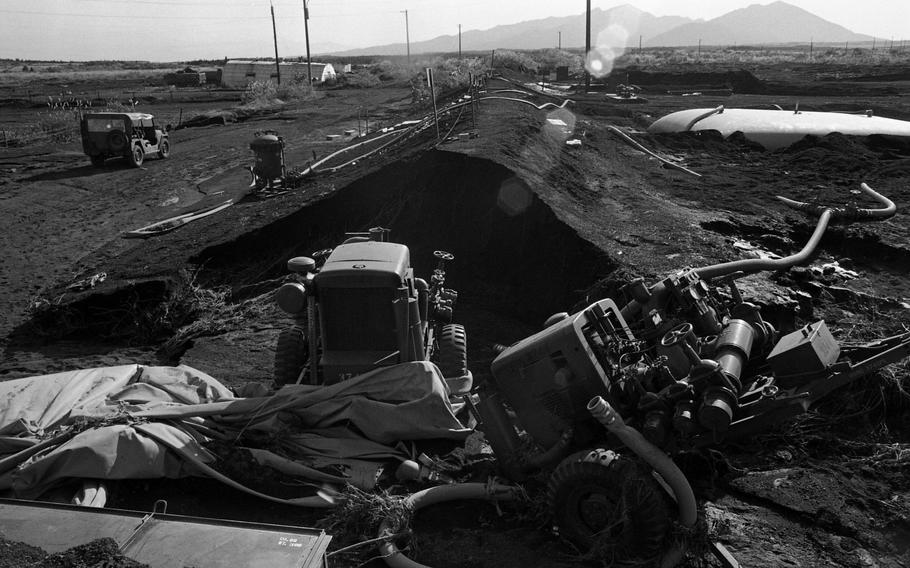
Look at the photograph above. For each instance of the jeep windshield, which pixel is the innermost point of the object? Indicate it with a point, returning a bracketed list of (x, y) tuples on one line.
[(104, 124)]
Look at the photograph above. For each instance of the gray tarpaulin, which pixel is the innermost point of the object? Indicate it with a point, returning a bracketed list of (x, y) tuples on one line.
[(123, 422)]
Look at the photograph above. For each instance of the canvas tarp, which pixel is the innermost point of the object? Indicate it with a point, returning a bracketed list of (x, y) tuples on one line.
[(145, 422)]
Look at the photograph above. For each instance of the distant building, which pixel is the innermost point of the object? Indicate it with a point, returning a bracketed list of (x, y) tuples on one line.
[(190, 77), (238, 74), (187, 77)]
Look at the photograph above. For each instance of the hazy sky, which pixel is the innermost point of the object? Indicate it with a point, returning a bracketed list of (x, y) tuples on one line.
[(174, 30)]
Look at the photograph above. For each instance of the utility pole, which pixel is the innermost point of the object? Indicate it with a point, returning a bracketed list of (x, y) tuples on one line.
[(588, 47), (432, 86), (275, 38), (811, 40), (459, 41), (639, 44), (407, 36), (698, 57), (559, 40), (306, 32)]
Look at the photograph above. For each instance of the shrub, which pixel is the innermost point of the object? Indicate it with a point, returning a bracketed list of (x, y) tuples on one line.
[(361, 79), (267, 93), (516, 61), (388, 71), (553, 58), (448, 74)]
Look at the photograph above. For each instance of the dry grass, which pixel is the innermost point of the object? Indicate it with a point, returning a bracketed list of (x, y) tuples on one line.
[(66, 76), (212, 314), (59, 121), (746, 55), (179, 310), (262, 95), (358, 516)]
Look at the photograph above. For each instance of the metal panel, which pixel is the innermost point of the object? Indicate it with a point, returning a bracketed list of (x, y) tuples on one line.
[(164, 541)]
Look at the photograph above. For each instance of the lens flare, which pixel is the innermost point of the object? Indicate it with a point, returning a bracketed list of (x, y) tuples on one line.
[(611, 44), (514, 197)]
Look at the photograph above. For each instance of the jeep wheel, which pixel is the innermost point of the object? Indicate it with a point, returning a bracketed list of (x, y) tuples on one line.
[(291, 354), (97, 161), (164, 149), (137, 156), (452, 351)]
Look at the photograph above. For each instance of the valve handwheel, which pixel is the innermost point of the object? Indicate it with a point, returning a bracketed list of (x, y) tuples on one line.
[(443, 255)]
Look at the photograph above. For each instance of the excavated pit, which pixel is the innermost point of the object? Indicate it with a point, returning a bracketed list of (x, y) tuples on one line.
[(515, 261)]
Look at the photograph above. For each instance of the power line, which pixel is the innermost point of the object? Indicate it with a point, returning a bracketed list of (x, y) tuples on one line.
[(174, 17), (175, 3)]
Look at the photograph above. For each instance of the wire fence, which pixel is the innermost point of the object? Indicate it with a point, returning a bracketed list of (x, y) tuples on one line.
[(56, 116), (28, 97)]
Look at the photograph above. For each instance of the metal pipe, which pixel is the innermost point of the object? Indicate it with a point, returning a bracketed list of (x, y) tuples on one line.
[(636, 144)]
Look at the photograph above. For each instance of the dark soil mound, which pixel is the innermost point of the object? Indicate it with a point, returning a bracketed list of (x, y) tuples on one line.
[(741, 81), (102, 552)]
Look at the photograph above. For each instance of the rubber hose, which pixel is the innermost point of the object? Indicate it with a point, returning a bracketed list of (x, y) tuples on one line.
[(759, 264), (394, 557), (551, 456), (538, 107), (314, 502), (887, 210), (632, 438), (10, 462), (703, 116)]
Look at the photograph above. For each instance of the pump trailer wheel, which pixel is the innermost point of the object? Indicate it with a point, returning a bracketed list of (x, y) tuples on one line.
[(616, 510)]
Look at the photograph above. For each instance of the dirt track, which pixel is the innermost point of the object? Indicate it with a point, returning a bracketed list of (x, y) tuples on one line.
[(536, 226)]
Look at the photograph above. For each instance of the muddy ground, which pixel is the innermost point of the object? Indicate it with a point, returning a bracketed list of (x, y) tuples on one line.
[(537, 226)]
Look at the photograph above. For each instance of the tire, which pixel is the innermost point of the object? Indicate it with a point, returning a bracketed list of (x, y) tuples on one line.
[(617, 511), (137, 156), (164, 149), (452, 351), (116, 140), (97, 161), (291, 354)]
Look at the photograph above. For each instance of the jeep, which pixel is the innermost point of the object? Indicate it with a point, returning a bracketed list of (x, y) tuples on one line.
[(131, 135)]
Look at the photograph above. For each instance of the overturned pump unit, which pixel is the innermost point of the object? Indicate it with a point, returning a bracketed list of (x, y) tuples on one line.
[(684, 364)]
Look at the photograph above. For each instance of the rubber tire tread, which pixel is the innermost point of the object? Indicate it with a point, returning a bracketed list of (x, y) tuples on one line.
[(452, 351), (291, 354), (644, 529), (164, 149), (137, 156)]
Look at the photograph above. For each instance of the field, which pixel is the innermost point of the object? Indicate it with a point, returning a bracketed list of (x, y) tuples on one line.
[(830, 488)]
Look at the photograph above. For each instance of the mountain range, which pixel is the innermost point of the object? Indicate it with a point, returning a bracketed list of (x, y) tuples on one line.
[(627, 26)]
